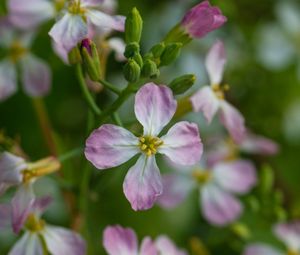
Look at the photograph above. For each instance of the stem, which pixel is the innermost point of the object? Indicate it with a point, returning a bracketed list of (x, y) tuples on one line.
[(110, 86), (70, 154), (86, 93), (45, 125), (117, 119)]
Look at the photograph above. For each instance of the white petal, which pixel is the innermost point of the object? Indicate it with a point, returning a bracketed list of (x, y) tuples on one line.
[(8, 79), (29, 244)]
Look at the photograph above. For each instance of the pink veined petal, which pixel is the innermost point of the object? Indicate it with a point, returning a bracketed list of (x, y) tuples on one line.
[(215, 61), (142, 184), (118, 46), (205, 101), (110, 146), (154, 107), (237, 176), (21, 203), (176, 188), (8, 79), (61, 241), (91, 3), (5, 215), (36, 76), (233, 121), (289, 233), (182, 144), (120, 241), (219, 207), (166, 247), (148, 247), (30, 13), (261, 249), (29, 244), (69, 30)]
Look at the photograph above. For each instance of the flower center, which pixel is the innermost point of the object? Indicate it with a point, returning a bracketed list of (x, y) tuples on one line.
[(16, 51), (34, 224), (220, 90), (59, 5), (291, 252), (202, 176), (149, 144), (75, 8)]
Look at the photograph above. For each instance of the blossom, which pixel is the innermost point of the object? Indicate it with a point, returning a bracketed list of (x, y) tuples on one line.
[(123, 241), (288, 233), (210, 99), (218, 186), (80, 17), (110, 145), (35, 72), (202, 19)]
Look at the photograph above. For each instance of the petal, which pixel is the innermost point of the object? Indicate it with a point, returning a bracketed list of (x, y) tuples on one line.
[(61, 52), (8, 79), (182, 144), (205, 101), (218, 206), (110, 146), (41, 204), (21, 203), (289, 233), (142, 184), (120, 241), (36, 76), (176, 187), (91, 3), (31, 13), (154, 107), (165, 246), (5, 215), (61, 241), (148, 247), (29, 244), (261, 249), (7, 33), (69, 30), (233, 121), (215, 61), (237, 176), (118, 46)]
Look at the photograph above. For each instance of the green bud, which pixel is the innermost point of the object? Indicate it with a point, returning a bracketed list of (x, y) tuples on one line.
[(182, 83), (74, 56), (158, 49), (150, 69), (138, 59), (132, 71), (266, 180), (131, 49), (133, 27), (241, 230), (170, 53)]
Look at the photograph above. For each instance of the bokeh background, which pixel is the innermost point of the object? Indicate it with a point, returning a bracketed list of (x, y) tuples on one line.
[(262, 40)]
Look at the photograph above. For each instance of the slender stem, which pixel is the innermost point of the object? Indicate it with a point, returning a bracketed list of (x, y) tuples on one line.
[(86, 93), (45, 124), (110, 86), (70, 154)]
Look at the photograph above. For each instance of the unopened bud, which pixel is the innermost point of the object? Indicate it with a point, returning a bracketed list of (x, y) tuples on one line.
[(150, 69), (170, 53), (158, 49), (133, 27), (266, 180), (182, 83), (131, 49), (138, 59), (74, 56), (132, 71)]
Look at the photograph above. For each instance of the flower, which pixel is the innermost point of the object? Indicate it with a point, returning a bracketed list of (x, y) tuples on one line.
[(80, 17), (218, 188), (202, 19), (35, 72), (123, 241), (288, 233), (110, 145), (210, 99)]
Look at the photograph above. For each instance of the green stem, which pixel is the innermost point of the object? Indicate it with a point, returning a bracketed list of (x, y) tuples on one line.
[(110, 86), (70, 154), (117, 119), (87, 95)]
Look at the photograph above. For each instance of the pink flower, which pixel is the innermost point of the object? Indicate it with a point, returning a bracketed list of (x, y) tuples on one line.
[(218, 188), (78, 19), (210, 99), (202, 19), (123, 241), (110, 145)]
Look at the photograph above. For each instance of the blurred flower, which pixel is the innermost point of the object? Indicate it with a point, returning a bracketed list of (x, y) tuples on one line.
[(211, 98), (288, 233), (110, 145), (35, 72), (218, 187), (123, 241)]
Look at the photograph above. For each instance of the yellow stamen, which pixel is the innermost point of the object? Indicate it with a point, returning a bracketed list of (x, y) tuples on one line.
[(16, 51), (34, 224), (201, 176), (291, 252), (220, 90), (149, 144)]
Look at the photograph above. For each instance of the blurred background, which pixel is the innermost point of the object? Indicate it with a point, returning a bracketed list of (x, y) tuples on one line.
[(262, 40)]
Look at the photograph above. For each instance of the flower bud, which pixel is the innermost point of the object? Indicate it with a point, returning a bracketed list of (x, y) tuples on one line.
[(158, 49), (131, 49), (132, 71), (170, 53), (133, 27), (182, 83), (150, 69), (266, 180), (138, 59), (89, 54), (74, 56)]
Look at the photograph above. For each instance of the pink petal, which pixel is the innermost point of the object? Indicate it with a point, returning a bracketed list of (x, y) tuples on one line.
[(233, 121), (91, 3), (182, 144), (165, 246), (41, 204), (154, 107), (120, 241), (110, 146), (118, 46), (218, 206), (61, 241), (148, 247), (8, 79), (69, 30), (61, 52), (215, 61), (261, 249), (5, 215), (237, 176), (205, 101), (29, 244), (289, 233), (142, 183), (36, 76)]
